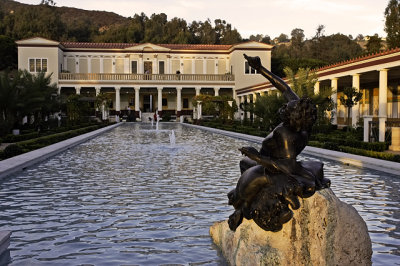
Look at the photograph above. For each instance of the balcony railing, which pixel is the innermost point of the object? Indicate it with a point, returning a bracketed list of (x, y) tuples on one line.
[(144, 77)]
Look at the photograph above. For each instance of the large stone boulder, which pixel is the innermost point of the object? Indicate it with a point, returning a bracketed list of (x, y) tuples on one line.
[(323, 231)]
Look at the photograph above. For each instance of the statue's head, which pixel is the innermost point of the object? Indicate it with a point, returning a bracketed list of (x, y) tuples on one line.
[(299, 114)]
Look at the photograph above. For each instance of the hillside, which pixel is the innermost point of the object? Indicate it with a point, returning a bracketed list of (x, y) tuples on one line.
[(69, 15)]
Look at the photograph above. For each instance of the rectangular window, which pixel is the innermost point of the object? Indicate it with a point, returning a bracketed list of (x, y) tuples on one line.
[(31, 65), (134, 67), (37, 64), (248, 69), (44, 65), (161, 69), (185, 103), (164, 102)]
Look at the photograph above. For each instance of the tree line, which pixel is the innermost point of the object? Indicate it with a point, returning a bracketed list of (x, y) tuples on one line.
[(71, 24)]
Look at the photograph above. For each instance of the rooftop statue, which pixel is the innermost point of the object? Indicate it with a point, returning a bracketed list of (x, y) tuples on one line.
[(272, 179)]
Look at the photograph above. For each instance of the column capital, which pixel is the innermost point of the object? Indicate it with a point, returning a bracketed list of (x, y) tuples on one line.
[(117, 88), (334, 78), (356, 75), (179, 88), (383, 70), (137, 89), (159, 88)]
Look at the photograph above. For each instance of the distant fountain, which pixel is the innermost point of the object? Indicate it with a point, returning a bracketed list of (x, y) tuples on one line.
[(172, 138), (152, 123), (158, 119)]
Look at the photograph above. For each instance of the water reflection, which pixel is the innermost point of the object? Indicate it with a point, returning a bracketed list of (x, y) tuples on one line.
[(129, 197)]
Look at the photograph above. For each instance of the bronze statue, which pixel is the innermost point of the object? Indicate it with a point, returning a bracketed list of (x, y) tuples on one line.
[(272, 179)]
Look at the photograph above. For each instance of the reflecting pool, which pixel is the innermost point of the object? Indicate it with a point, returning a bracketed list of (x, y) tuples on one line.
[(130, 197)]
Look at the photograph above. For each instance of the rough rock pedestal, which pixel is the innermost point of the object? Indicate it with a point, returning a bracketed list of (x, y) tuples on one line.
[(323, 231)]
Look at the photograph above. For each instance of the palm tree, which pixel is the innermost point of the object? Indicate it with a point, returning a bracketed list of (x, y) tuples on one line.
[(303, 83), (37, 96), (9, 92)]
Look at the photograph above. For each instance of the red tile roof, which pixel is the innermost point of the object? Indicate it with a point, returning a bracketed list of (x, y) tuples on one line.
[(88, 45), (360, 58)]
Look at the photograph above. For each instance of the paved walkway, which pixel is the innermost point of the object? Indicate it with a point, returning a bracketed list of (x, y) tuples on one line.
[(20, 162), (345, 158)]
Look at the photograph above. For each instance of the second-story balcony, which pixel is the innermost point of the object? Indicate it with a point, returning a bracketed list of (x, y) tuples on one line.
[(99, 77)]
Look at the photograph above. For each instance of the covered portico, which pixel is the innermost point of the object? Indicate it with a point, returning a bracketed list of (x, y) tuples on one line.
[(174, 99)]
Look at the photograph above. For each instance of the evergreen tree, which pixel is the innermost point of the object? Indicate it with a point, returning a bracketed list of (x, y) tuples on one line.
[(392, 23), (349, 99), (374, 44)]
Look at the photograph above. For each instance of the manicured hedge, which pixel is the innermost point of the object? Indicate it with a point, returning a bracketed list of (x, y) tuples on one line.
[(362, 152), (33, 144), (31, 134), (373, 154), (335, 141)]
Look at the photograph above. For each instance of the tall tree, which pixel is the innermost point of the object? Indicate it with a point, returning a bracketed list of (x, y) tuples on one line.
[(374, 44), (8, 53), (154, 31), (303, 83), (349, 98), (392, 23)]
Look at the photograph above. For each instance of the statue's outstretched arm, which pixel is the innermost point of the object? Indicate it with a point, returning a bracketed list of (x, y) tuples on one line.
[(278, 83)]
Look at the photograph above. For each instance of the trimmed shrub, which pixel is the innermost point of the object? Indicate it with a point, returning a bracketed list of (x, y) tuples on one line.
[(33, 144), (11, 151)]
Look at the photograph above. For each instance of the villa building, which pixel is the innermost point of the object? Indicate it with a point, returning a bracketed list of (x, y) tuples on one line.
[(165, 77), (144, 77)]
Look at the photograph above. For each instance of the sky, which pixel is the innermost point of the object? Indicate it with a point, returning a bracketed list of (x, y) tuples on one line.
[(267, 17)]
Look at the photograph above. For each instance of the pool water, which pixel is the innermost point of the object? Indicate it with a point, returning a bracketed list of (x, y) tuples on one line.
[(129, 197)]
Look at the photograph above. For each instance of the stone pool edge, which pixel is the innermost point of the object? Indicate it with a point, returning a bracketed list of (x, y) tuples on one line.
[(345, 158), (20, 162)]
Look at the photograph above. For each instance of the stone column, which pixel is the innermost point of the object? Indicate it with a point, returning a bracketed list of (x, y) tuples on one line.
[(395, 139), (198, 89), (316, 87), (98, 89), (117, 100), (140, 66), (178, 101), (216, 91), (89, 64), (159, 100), (155, 65), (241, 112), (169, 64), (367, 119), (334, 85), (137, 109), (78, 90), (383, 80), (355, 110), (199, 111), (254, 97), (101, 65), (126, 65)]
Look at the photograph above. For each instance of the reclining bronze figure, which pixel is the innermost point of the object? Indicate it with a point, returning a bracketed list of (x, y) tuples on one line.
[(272, 179)]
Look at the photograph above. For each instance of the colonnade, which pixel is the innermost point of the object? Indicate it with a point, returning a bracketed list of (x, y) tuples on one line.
[(355, 112), (159, 96)]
